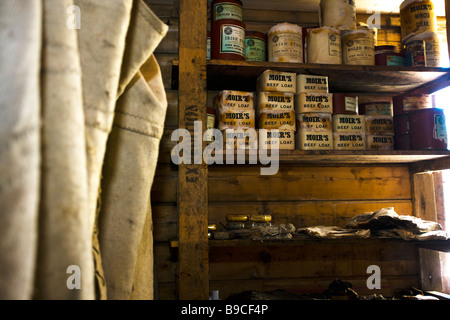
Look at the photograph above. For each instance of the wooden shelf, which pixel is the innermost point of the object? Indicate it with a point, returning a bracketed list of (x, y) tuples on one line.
[(438, 245), (346, 157), (241, 75)]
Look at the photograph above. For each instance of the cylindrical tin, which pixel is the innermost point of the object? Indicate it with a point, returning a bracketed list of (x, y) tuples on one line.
[(416, 54), (228, 40), (305, 31), (226, 10), (255, 46), (339, 14), (402, 142), (324, 46), (432, 47), (236, 218), (428, 129), (417, 16), (387, 56), (235, 225), (376, 108), (358, 47), (261, 218), (284, 43), (344, 103), (407, 103), (401, 124)]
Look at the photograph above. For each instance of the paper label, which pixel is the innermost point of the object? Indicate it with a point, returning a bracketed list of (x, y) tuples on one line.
[(232, 39), (227, 10)]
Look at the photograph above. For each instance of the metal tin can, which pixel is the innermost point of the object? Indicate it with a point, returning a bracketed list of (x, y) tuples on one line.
[(417, 16), (432, 47), (428, 129), (338, 14), (416, 54), (228, 40), (226, 10), (344, 103), (261, 218), (255, 46), (324, 46), (285, 43), (237, 218), (407, 103), (376, 108), (387, 56), (401, 124), (402, 142), (358, 47)]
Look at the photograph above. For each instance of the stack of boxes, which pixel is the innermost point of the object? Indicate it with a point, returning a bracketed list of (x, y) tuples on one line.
[(275, 109), (379, 125), (348, 126), (314, 108), (236, 111)]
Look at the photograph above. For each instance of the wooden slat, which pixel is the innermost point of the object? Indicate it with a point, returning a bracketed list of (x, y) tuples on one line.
[(309, 183), (305, 213), (193, 282), (425, 208)]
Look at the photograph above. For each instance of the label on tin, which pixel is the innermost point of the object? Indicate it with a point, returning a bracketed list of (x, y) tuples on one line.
[(395, 61), (359, 51), (379, 108), (286, 47), (255, 49), (210, 122), (380, 125), (351, 104), (433, 57), (276, 81), (349, 141), (227, 10), (334, 45), (234, 99), (440, 129), (314, 122), (310, 140), (312, 84), (348, 123), (281, 139), (314, 102), (275, 101), (378, 142), (277, 120), (232, 39), (233, 119)]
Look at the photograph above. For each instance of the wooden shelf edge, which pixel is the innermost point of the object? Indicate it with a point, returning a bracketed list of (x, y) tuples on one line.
[(343, 157), (438, 245)]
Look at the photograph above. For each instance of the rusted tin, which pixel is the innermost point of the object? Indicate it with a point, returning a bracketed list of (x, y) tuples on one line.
[(228, 40), (428, 129), (344, 103)]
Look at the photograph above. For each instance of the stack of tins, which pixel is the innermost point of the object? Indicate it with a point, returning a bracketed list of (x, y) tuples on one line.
[(314, 108), (378, 113), (227, 30), (348, 126), (275, 109), (419, 33), (236, 119), (419, 125)]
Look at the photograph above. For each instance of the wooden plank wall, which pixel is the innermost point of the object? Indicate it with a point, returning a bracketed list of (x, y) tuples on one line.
[(304, 196)]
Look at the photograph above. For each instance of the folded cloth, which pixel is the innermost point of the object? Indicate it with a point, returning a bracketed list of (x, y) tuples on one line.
[(387, 222), (332, 232)]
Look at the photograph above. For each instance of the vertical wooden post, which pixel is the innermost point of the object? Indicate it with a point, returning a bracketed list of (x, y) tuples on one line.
[(424, 204), (193, 265)]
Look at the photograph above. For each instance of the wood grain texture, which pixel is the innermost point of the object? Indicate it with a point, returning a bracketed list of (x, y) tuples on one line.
[(193, 282)]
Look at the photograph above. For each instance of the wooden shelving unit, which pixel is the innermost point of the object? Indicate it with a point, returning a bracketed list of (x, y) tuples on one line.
[(195, 75)]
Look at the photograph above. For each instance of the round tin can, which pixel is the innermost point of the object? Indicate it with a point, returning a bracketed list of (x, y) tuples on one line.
[(228, 40), (428, 129), (417, 16), (401, 124), (237, 218), (358, 47), (387, 56), (255, 46), (407, 103), (416, 54), (261, 218), (376, 108), (226, 10), (285, 43), (432, 47), (344, 103), (339, 14), (324, 46)]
